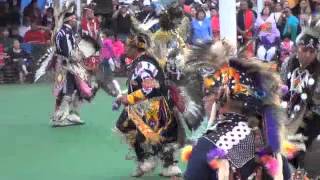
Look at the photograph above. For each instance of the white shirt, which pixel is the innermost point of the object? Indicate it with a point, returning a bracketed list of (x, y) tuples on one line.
[(23, 29)]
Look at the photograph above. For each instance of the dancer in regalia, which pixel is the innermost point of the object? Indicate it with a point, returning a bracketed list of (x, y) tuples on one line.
[(301, 74), (243, 138), (148, 121)]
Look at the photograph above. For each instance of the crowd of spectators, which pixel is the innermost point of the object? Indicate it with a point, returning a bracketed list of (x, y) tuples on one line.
[(269, 34), (22, 34)]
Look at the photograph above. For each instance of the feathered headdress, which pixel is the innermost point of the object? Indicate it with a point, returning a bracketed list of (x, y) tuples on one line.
[(265, 82), (171, 17), (207, 55), (253, 84), (310, 36)]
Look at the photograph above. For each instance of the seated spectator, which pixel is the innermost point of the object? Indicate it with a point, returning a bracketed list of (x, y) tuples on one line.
[(33, 12), (89, 23), (3, 55), (286, 48), (26, 26), (4, 13), (14, 13), (5, 39), (18, 58), (35, 35), (15, 34), (48, 19), (269, 35), (201, 31)]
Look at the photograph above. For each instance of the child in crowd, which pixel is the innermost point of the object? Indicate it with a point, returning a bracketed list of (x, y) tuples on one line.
[(19, 59), (112, 49), (286, 48)]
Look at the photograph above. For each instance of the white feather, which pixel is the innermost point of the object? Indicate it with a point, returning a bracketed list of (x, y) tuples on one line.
[(86, 48), (117, 86), (147, 25), (318, 23), (44, 64)]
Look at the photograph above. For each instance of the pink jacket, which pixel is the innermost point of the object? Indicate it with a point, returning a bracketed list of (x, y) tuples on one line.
[(111, 48)]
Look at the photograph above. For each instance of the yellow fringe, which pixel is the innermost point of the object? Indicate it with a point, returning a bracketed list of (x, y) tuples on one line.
[(151, 136), (135, 96)]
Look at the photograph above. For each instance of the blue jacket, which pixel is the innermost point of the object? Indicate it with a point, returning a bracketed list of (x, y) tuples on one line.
[(201, 32)]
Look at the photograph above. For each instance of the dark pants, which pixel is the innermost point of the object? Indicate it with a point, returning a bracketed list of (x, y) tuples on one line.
[(198, 167), (71, 85), (70, 88)]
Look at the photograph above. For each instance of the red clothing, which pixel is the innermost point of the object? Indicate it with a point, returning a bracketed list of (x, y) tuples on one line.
[(215, 24), (187, 9), (1, 55), (90, 27), (35, 37), (249, 20)]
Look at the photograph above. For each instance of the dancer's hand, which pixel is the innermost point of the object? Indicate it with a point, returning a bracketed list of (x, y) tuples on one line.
[(116, 105), (123, 100)]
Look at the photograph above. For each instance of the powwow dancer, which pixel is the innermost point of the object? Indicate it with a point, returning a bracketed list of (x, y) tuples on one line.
[(147, 121), (302, 101), (72, 61), (243, 136)]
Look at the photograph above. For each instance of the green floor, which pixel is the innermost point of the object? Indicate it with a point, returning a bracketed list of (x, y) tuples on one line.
[(31, 150)]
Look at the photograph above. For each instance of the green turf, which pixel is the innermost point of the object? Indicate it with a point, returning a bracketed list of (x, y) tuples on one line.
[(31, 150)]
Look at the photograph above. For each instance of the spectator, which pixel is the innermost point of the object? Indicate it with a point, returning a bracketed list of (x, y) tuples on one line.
[(48, 19), (193, 13), (305, 13), (26, 26), (122, 22), (291, 26), (15, 34), (277, 12), (5, 39), (268, 34), (19, 59), (215, 24), (206, 9), (3, 55), (245, 23), (103, 10), (33, 12), (89, 24), (4, 13), (146, 14), (186, 8), (112, 49), (14, 13), (286, 48), (201, 30), (35, 35)]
